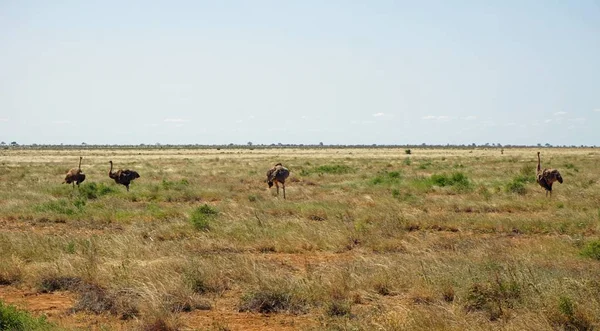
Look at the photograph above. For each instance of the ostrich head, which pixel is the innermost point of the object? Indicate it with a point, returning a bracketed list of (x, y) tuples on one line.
[(559, 177)]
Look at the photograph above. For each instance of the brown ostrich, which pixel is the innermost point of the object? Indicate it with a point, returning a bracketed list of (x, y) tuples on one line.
[(123, 177), (75, 176), (547, 177), (278, 174)]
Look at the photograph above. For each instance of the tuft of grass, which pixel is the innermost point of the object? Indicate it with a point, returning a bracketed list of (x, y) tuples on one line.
[(275, 297), (338, 308), (14, 319), (60, 206), (458, 180), (202, 216), (516, 186), (592, 250), (392, 177), (337, 169), (407, 151), (494, 298), (567, 316), (94, 191)]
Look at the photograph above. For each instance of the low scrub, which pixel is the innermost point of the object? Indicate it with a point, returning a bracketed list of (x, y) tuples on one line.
[(457, 180), (14, 319)]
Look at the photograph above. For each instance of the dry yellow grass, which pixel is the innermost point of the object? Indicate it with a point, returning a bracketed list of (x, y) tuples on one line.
[(442, 239)]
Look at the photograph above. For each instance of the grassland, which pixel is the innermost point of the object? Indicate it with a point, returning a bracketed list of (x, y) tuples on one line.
[(368, 239)]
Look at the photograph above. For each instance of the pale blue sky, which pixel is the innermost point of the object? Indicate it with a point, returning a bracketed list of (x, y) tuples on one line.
[(338, 72)]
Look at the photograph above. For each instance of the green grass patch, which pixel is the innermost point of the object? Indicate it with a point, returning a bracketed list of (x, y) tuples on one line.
[(392, 177), (14, 319), (458, 180), (592, 250), (202, 216), (94, 191), (336, 169)]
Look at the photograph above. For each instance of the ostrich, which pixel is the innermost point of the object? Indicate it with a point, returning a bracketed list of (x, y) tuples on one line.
[(123, 177), (547, 177), (75, 176), (278, 175)]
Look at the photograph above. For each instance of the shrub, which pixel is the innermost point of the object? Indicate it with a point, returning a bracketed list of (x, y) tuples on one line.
[(201, 217), (592, 250), (14, 319), (516, 186), (407, 151), (457, 179)]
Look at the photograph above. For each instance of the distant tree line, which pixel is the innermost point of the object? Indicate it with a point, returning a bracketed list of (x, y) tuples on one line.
[(251, 145)]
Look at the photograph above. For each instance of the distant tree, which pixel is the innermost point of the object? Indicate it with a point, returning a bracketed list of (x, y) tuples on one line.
[(321, 143), (83, 144), (539, 145), (249, 143), (548, 145), (14, 143), (3, 143)]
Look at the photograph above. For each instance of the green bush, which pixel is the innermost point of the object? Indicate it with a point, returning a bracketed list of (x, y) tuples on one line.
[(14, 319), (458, 180), (516, 186), (202, 216)]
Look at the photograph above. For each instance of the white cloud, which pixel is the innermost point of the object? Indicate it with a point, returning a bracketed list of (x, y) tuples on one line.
[(436, 118), (470, 118), (175, 120), (61, 122), (577, 120), (547, 121), (378, 114), (597, 110), (560, 113)]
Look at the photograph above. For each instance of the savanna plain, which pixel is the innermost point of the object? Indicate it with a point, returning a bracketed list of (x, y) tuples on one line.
[(367, 239)]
